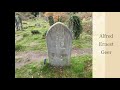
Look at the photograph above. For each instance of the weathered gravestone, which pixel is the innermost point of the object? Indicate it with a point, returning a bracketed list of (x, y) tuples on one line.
[(18, 22), (59, 44)]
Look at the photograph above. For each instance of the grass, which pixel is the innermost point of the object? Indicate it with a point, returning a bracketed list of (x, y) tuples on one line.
[(29, 42), (84, 41), (24, 41), (80, 67)]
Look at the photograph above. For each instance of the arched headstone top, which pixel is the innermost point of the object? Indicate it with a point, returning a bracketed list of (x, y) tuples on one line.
[(59, 24)]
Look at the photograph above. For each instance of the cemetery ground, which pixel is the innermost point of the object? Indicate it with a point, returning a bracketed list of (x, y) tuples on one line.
[(31, 50)]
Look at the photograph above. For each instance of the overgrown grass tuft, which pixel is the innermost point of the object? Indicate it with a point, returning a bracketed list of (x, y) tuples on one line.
[(19, 47)]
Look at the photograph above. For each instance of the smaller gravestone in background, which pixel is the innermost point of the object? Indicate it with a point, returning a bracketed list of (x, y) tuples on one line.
[(59, 44), (18, 22)]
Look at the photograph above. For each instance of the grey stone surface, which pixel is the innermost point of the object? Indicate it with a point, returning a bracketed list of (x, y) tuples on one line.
[(59, 44), (18, 22)]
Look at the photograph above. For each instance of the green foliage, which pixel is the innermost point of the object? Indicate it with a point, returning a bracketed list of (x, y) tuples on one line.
[(51, 20), (35, 32), (81, 67), (29, 42), (19, 47), (25, 34), (85, 41), (75, 26), (60, 19), (44, 35)]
